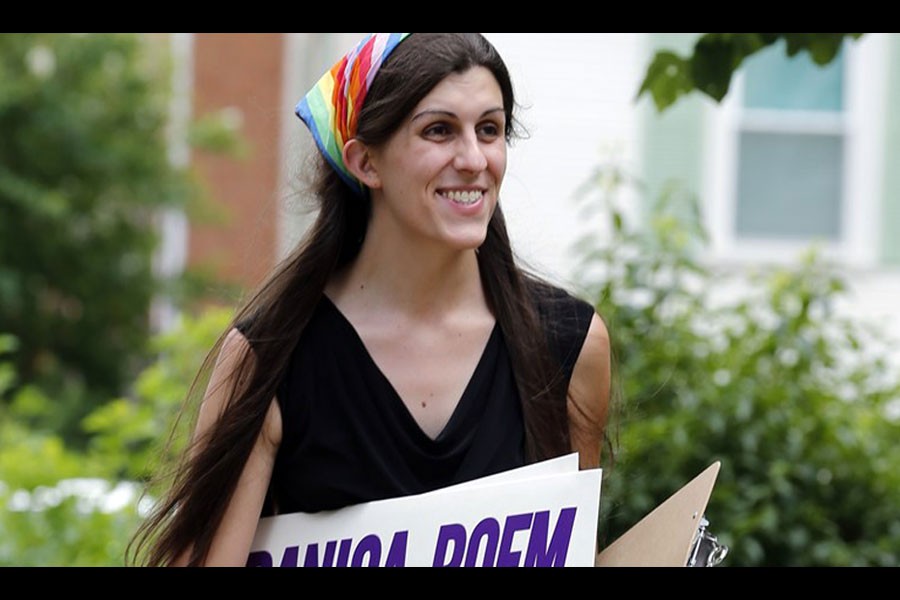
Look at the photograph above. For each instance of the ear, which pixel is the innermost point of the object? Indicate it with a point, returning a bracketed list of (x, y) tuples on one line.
[(358, 160)]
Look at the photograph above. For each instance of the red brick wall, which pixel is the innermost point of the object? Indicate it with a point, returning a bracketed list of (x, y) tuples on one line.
[(242, 71)]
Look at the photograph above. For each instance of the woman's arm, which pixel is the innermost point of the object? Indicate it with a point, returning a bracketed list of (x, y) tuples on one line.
[(589, 390), (231, 543)]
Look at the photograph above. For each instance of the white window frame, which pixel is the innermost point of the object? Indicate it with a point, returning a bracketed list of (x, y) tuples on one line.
[(865, 104)]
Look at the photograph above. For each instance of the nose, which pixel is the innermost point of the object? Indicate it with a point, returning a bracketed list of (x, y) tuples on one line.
[(469, 154)]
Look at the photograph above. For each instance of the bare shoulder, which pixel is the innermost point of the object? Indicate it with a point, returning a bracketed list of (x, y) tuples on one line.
[(589, 391), (589, 387), (233, 362), (235, 346), (235, 349), (595, 351)]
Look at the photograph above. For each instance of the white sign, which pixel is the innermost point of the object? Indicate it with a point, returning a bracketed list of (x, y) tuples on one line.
[(540, 515)]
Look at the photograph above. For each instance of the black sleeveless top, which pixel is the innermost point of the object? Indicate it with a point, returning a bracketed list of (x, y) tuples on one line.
[(348, 438)]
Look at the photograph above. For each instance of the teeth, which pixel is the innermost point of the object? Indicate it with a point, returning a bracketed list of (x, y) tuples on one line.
[(464, 197)]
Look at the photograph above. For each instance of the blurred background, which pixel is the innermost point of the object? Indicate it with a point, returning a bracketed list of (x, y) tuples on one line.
[(729, 202)]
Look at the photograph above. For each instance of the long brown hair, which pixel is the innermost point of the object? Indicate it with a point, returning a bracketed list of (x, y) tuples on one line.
[(276, 315)]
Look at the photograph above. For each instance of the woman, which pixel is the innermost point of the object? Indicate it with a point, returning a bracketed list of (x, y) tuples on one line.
[(399, 349)]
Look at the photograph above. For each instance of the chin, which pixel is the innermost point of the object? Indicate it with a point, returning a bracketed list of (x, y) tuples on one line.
[(467, 240)]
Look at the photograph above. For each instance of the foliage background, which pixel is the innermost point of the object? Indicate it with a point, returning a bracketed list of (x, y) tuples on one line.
[(86, 396), (72, 507), (84, 169), (758, 370)]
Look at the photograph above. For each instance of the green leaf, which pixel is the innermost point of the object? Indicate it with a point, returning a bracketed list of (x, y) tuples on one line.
[(717, 56), (668, 78)]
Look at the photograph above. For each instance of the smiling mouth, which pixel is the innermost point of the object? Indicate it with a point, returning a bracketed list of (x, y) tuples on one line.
[(464, 198)]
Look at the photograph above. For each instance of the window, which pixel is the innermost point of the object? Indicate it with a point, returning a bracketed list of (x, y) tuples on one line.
[(794, 155), (790, 148)]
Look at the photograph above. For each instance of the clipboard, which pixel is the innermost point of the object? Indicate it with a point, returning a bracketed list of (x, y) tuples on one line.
[(666, 536)]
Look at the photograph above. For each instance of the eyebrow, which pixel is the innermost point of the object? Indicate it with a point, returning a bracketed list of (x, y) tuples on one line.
[(447, 113)]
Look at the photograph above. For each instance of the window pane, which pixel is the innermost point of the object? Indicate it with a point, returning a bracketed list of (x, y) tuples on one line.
[(789, 185), (772, 80)]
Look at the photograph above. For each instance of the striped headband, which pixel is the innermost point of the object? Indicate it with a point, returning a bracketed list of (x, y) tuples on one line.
[(331, 108)]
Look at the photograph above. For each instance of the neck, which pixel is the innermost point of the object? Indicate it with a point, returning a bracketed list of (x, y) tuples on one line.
[(418, 280)]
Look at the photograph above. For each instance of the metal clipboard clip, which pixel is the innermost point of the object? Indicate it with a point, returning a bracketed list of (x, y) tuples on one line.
[(706, 551)]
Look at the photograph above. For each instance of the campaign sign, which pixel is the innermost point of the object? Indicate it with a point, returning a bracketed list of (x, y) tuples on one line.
[(524, 518)]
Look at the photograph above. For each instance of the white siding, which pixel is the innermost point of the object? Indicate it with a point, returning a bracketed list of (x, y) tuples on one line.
[(577, 91)]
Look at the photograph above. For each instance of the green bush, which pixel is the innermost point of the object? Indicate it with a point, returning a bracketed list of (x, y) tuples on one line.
[(756, 369), (84, 169), (65, 507), (66, 524), (130, 433)]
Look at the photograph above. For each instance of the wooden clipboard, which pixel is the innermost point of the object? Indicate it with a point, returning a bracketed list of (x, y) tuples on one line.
[(664, 538)]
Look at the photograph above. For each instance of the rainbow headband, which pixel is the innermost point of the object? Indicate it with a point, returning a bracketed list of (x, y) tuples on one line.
[(331, 108)]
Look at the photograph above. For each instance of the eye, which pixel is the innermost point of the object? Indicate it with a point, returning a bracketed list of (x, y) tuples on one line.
[(437, 130), (490, 130)]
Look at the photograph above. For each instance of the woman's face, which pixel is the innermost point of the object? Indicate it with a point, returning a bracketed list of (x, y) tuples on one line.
[(439, 174)]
